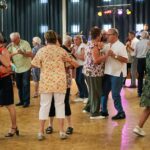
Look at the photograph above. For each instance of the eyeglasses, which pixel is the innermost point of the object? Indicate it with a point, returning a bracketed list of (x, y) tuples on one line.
[(109, 34)]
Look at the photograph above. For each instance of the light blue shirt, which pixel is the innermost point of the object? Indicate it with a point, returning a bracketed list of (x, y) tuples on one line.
[(142, 48)]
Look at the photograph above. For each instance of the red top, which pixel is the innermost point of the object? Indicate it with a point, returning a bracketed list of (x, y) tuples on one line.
[(3, 68)]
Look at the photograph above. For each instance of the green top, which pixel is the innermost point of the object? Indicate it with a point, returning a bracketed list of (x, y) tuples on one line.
[(21, 62)]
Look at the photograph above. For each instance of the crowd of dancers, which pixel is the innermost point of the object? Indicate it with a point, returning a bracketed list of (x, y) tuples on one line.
[(101, 66)]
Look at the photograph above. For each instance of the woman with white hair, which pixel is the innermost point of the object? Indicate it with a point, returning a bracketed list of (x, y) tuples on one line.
[(140, 53), (36, 41)]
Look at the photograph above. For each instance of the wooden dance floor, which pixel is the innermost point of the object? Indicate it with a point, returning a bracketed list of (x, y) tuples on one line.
[(88, 134)]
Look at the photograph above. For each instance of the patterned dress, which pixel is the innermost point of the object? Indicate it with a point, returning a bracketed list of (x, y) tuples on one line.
[(145, 98)]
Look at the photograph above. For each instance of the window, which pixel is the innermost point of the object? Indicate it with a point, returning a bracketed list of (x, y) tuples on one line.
[(75, 1), (140, 0), (43, 28), (106, 27), (75, 28), (44, 1), (139, 27), (106, 0)]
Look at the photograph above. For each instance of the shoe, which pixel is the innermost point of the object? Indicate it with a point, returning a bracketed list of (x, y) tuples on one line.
[(132, 86), (41, 136), (69, 130), (79, 100), (139, 131), (85, 100), (104, 115), (25, 105), (49, 130), (63, 136), (139, 95), (119, 116), (19, 104), (85, 111), (12, 132), (96, 116)]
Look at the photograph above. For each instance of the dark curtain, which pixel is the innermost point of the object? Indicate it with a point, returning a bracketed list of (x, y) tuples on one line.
[(27, 16), (85, 12)]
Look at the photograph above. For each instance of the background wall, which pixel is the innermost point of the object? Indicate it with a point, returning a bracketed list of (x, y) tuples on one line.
[(85, 15), (27, 16)]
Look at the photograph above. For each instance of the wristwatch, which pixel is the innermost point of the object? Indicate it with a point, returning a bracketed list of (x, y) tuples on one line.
[(116, 57)]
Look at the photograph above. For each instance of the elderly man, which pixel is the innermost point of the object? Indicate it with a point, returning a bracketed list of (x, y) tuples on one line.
[(141, 50), (115, 70), (21, 54)]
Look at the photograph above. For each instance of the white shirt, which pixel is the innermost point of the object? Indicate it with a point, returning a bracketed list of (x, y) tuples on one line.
[(142, 48), (79, 51), (133, 45), (113, 66)]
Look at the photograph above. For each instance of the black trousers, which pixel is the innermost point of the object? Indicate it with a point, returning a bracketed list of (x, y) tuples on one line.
[(141, 69), (67, 105)]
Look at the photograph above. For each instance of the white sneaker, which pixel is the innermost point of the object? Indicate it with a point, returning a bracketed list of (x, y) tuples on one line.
[(79, 100), (139, 131), (96, 117), (84, 111), (41, 136), (63, 135), (85, 100)]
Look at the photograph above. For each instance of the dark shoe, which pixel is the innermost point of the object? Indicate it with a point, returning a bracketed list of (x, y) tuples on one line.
[(119, 116), (139, 95), (12, 132), (19, 104), (25, 105), (132, 86), (104, 114), (49, 130), (69, 130)]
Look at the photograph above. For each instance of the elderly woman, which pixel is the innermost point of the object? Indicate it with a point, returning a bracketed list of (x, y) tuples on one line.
[(79, 51), (68, 67), (6, 88), (36, 71), (94, 71), (50, 59)]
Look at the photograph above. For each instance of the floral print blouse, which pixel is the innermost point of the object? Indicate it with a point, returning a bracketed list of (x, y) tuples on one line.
[(53, 74), (89, 68)]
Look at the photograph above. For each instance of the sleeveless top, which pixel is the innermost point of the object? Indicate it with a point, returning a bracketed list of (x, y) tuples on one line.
[(90, 68)]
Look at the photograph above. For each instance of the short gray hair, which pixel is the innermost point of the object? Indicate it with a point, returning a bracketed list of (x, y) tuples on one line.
[(37, 40), (144, 35), (67, 39), (14, 34), (115, 31)]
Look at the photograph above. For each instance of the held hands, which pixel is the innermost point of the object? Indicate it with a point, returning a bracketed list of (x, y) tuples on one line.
[(100, 45), (20, 52)]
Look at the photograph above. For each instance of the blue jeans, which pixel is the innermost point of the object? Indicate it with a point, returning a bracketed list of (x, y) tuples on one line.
[(114, 84), (80, 80), (23, 85)]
